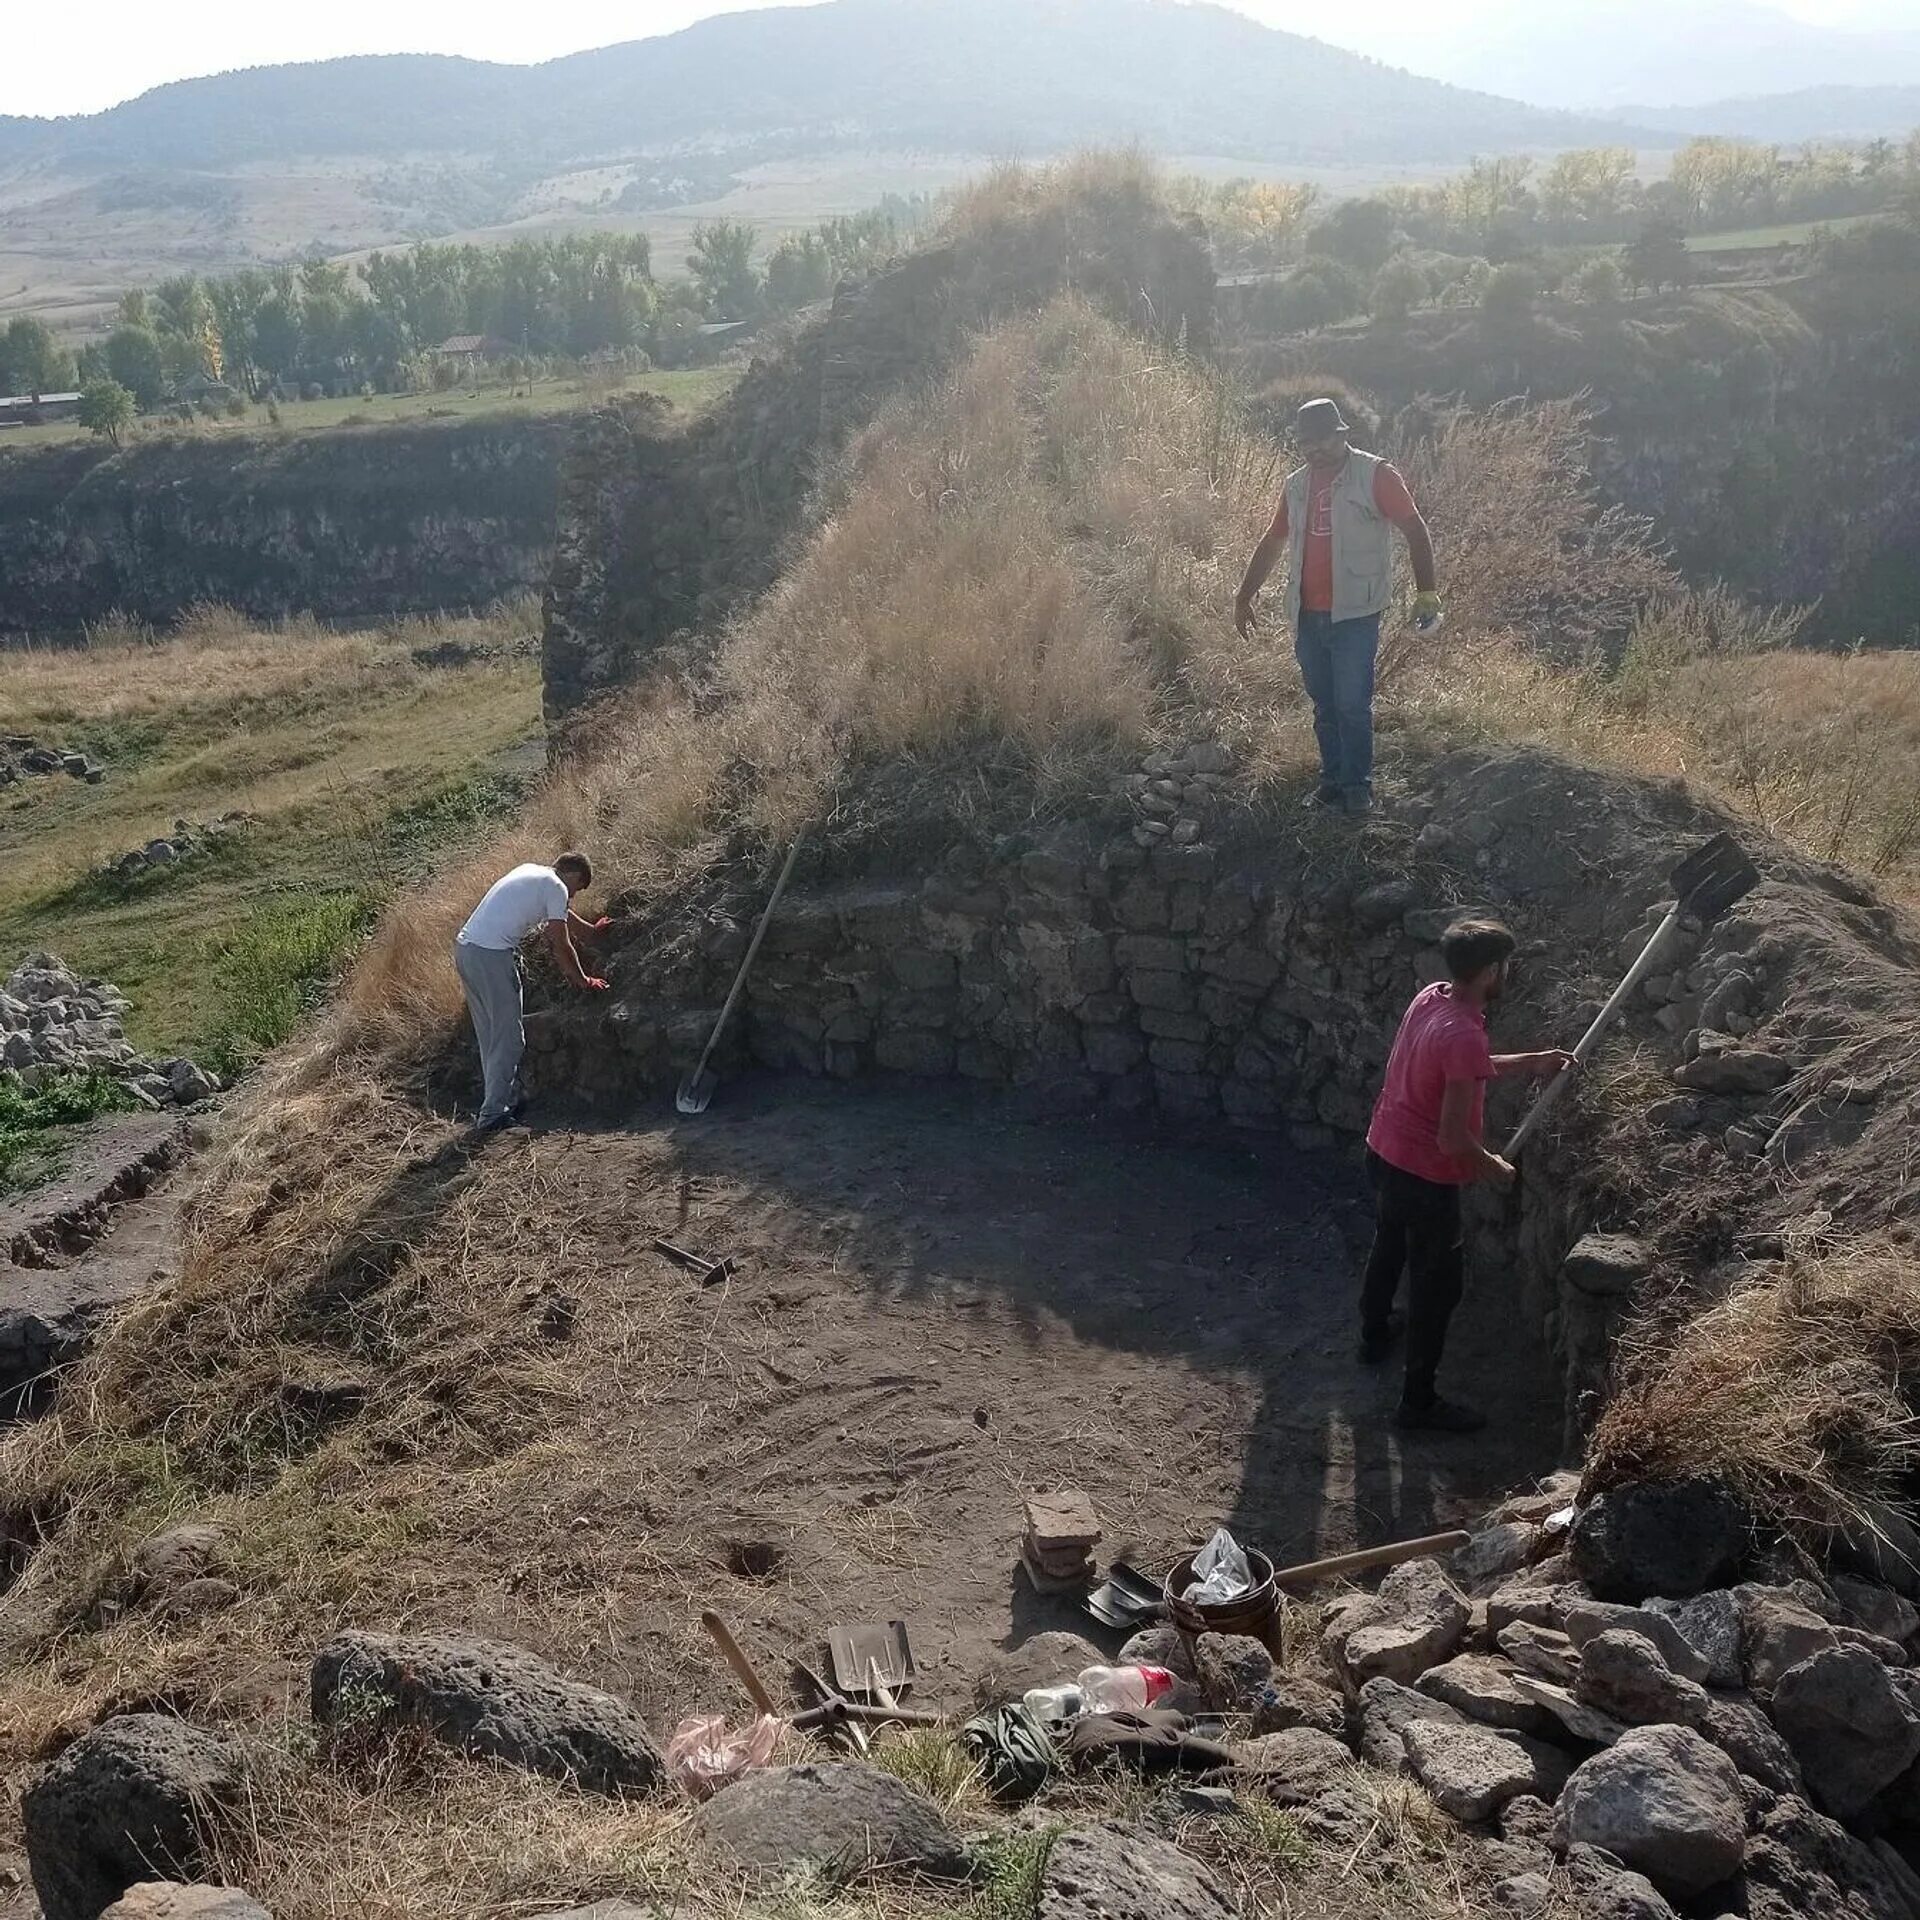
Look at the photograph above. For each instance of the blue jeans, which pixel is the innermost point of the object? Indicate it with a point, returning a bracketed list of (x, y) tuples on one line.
[(1336, 662)]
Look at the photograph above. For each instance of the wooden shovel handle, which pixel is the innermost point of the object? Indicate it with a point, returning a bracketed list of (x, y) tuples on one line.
[(738, 1661), (1390, 1556)]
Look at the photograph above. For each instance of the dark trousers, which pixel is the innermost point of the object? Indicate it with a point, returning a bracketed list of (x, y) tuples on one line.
[(1417, 1227), (1336, 665)]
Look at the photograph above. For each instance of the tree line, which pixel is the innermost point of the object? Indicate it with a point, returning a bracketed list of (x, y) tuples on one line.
[(325, 327), (1506, 208), (1508, 229)]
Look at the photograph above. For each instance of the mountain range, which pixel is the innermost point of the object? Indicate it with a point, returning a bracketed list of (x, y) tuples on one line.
[(972, 76)]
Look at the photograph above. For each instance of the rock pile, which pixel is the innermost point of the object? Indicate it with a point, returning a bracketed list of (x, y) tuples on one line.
[(1172, 793), (186, 842), (1632, 1717), (21, 755), (53, 1022)]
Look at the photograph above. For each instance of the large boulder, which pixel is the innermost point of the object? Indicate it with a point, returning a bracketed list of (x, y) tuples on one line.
[(1735, 1725), (1112, 1873), (1852, 1725), (846, 1819), (1592, 1618), (1803, 1866), (1710, 1625), (168, 1900), (1232, 1670), (1292, 1700), (1472, 1772), (132, 1797), (490, 1699), (1422, 1618), (1674, 1538), (1663, 1801), (1484, 1690), (1384, 1712), (1780, 1631), (1540, 1651), (1495, 1554), (1623, 1675)]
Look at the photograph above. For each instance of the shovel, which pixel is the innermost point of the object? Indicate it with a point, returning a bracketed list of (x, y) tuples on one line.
[(1705, 884), (697, 1089)]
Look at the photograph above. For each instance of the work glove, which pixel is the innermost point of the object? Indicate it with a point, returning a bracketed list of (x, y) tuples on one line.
[(1428, 616)]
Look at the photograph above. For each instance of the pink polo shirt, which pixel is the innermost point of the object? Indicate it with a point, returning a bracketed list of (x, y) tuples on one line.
[(1440, 1039)]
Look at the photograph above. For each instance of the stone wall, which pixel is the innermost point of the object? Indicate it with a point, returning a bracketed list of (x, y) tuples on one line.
[(1254, 979), (348, 524), (666, 528)]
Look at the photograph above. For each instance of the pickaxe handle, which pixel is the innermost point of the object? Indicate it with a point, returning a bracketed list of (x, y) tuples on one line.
[(1389, 1556), (738, 1661), (843, 1709), (1550, 1094)]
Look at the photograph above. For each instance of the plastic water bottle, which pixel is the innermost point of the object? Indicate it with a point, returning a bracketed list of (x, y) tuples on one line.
[(1054, 1703), (1120, 1689)]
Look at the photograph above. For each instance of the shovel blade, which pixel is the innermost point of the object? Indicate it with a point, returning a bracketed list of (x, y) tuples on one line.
[(696, 1091), (1710, 879)]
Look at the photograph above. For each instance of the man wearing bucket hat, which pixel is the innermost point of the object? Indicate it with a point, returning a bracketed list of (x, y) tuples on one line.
[(1335, 522)]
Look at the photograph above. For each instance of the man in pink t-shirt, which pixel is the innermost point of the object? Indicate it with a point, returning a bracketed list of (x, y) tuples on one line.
[(1427, 1141)]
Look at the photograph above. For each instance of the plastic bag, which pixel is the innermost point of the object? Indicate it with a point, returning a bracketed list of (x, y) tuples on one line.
[(1221, 1572), (705, 1754)]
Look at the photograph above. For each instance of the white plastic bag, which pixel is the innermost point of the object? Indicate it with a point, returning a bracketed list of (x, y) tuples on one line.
[(1221, 1572), (704, 1753)]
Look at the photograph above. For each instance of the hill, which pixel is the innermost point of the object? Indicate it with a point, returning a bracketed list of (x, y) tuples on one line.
[(1808, 113), (927, 74), (1606, 53)]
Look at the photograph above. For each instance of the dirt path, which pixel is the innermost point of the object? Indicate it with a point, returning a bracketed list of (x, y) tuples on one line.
[(939, 1305)]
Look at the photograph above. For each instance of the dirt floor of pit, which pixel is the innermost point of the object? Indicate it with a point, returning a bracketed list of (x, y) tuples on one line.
[(938, 1304)]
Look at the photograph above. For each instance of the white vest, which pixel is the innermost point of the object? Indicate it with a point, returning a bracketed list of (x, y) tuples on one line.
[(1362, 539)]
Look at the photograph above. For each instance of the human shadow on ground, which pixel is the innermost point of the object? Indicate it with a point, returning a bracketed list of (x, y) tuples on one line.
[(1227, 1257)]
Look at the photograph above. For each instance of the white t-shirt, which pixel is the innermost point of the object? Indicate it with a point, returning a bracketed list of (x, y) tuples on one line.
[(526, 898)]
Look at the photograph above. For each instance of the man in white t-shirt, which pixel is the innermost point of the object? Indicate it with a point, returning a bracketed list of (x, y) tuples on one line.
[(487, 958)]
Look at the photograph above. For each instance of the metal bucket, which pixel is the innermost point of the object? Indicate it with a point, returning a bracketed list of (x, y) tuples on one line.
[(1254, 1613)]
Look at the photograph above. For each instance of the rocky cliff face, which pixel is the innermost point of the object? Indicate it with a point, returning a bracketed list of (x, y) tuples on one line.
[(349, 524)]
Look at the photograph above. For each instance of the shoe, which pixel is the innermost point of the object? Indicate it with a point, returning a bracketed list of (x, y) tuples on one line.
[(504, 1118), (1377, 1343), (1438, 1416), (1323, 796), (1357, 800)]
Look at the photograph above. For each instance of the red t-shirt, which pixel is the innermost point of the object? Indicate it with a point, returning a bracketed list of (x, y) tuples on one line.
[(1441, 1038), (1391, 496)]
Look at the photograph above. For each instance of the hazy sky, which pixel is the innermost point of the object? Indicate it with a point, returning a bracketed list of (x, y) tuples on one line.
[(53, 60)]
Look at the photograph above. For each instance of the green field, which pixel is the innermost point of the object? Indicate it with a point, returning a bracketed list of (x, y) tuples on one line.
[(1795, 234), (690, 388), (357, 765)]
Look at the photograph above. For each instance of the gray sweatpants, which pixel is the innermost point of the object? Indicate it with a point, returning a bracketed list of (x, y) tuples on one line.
[(492, 982)]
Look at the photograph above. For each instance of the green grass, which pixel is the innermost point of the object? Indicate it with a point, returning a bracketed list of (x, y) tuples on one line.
[(1792, 234), (359, 768), (32, 1123), (688, 388)]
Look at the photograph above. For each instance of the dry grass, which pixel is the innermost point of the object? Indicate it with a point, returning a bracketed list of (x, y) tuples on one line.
[(1793, 1389), (1822, 749)]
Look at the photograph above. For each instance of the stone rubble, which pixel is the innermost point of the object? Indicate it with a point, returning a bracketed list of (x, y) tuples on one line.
[(53, 1023), (186, 842), (21, 755)]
